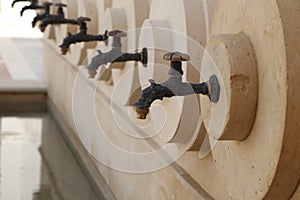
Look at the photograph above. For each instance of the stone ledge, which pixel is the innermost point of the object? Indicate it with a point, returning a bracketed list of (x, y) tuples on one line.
[(23, 86), (20, 102)]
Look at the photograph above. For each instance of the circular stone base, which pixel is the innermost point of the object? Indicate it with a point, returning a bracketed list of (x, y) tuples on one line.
[(230, 114)]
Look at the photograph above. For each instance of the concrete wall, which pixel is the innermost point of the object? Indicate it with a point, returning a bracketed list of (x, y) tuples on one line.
[(253, 157)]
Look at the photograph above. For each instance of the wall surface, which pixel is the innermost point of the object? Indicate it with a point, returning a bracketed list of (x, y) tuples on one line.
[(245, 146)]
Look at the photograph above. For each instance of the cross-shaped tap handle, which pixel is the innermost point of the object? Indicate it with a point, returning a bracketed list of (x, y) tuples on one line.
[(47, 3), (61, 5), (117, 33), (83, 19)]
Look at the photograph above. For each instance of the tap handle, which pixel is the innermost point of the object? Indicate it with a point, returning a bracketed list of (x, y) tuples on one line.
[(81, 19), (60, 10), (117, 33), (60, 5), (176, 56), (47, 4), (16, 1), (176, 59)]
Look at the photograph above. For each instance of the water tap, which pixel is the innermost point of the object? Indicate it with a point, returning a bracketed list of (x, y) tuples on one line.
[(59, 18), (16, 1), (46, 13), (81, 36), (116, 54), (33, 6), (174, 86)]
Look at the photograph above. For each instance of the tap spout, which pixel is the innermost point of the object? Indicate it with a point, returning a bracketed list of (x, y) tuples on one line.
[(32, 6), (174, 86), (40, 17), (81, 36), (16, 1), (116, 54), (149, 95), (59, 18), (55, 19), (113, 56)]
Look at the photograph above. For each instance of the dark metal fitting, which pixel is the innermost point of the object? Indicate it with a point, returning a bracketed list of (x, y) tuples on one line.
[(174, 86)]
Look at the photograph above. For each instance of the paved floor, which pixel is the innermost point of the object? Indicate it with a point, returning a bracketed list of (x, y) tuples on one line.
[(20, 45)]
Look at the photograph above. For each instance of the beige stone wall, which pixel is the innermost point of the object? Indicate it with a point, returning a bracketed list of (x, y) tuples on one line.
[(264, 165)]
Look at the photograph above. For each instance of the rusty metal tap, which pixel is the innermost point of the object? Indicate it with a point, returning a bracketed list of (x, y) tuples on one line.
[(16, 1), (81, 36), (174, 86), (59, 18), (116, 54), (40, 17), (33, 6)]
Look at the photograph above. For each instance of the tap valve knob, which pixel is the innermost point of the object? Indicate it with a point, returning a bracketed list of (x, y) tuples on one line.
[(60, 10), (81, 22), (176, 56), (176, 59), (83, 19), (47, 3), (117, 33), (60, 5)]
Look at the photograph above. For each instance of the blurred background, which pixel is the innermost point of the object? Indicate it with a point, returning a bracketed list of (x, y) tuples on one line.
[(20, 45), (35, 162)]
